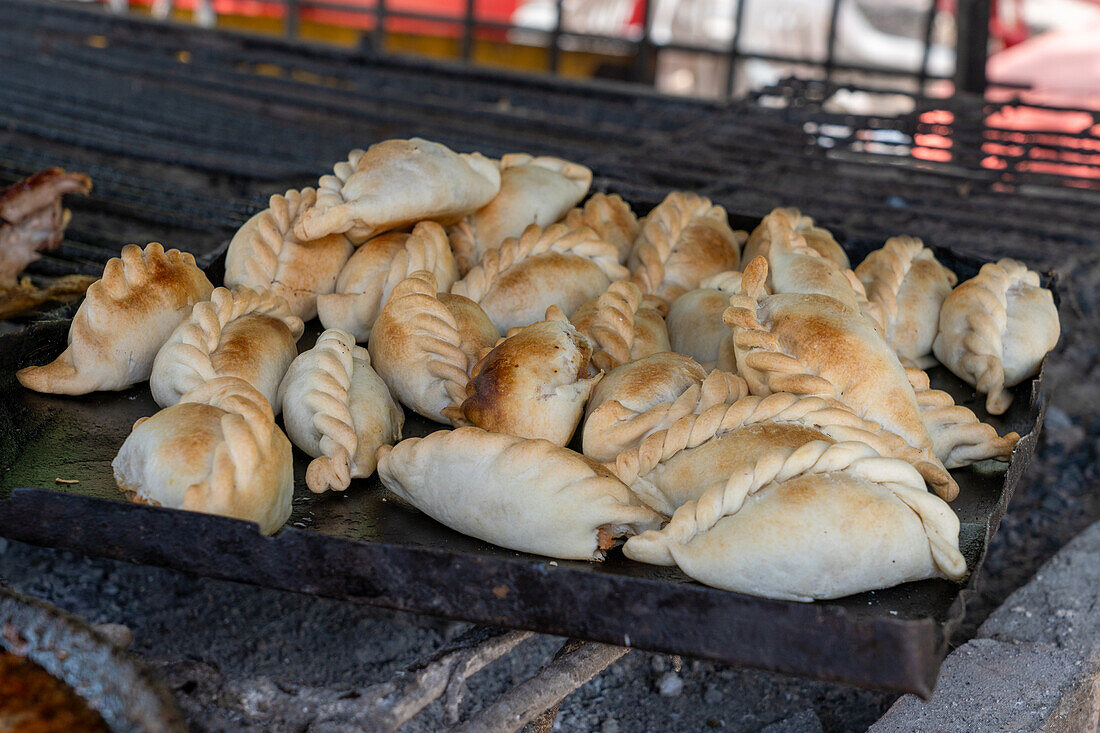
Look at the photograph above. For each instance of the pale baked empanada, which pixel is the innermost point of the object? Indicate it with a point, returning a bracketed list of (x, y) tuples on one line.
[(820, 239), (622, 325), (644, 396), (216, 451), (813, 344), (396, 183), (264, 253), (695, 328), (338, 410), (611, 218), (532, 191), (820, 521), (534, 383), (125, 318), (525, 495), (424, 344), (906, 286), (676, 464), (683, 240), (516, 282), (243, 333), (374, 270), (995, 330), (959, 438)]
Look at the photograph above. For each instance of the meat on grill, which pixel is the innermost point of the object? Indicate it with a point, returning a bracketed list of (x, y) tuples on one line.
[(32, 219)]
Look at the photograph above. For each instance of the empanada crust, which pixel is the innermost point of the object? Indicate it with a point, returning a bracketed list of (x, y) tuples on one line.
[(126, 317), (622, 325)]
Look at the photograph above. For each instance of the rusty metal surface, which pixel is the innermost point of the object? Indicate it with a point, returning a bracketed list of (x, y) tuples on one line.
[(130, 699), (364, 545)]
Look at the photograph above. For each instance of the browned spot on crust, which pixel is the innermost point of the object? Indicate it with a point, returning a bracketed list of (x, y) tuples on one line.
[(604, 540)]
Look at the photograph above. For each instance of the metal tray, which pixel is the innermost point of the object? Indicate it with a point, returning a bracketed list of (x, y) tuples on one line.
[(366, 546)]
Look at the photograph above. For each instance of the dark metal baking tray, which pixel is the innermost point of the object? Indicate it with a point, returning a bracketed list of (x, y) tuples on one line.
[(366, 546)]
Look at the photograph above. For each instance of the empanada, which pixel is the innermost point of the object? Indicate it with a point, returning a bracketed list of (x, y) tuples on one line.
[(424, 344), (622, 325), (820, 239), (611, 218), (525, 495), (820, 521), (216, 451), (995, 330), (644, 396), (338, 410), (264, 253), (374, 270), (676, 464), (959, 438), (396, 183), (516, 282), (813, 344), (683, 240), (532, 191), (906, 286), (243, 333), (695, 328), (534, 383), (126, 316)]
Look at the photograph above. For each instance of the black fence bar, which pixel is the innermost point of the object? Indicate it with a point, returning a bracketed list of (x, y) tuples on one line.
[(554, 56), (292, 14), (735, 48), (468, 27), (972, 47), (830, 52), (644, 48), (929, 24), (380, 27)]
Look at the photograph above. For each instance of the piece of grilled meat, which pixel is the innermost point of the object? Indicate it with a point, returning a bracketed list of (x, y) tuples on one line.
[(32, 219)]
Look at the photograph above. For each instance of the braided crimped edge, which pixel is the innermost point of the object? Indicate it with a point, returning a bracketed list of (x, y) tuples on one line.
[(428, 249), (817, 457), (249, 433), (830, 416), (883, 272), (601, 213), (584, 242), (610, 323), (463, 240), (330, 191), (802, 224), (199, 336), (130, 270), (553, 462), (435, 334), (620, 428), (269, 238), (329, 402), (958, 436), (986, 320), (662, 231)]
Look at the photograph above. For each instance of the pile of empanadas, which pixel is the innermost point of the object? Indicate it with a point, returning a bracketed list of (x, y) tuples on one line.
[(746, 406)]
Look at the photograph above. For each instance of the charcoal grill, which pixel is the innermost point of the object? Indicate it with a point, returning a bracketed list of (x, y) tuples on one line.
[(185, 133)]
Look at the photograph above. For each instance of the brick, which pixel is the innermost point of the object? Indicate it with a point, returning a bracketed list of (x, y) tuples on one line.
[(1061, 604), (990, 685)]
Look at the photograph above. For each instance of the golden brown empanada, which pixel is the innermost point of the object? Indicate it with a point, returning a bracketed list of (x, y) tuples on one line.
[(676, 464), (424, 344), (243, 333), (525, 495), (683, 240), (534, 383), (644, 396), (959, 438), (396, 183), (374, 270), (264, 253), (338, 410), (216, 451), (622, 325), (996, 328), (126, 316), (532, 191), (906, 286), (516, 282), (819, 521), (611, 218), (820, 239), (813, 344), (695, 328)]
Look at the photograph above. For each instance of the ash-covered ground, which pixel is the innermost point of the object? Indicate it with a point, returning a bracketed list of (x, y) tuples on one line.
[(229, 651)]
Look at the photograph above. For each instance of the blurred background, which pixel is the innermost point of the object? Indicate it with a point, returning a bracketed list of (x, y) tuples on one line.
[(709, 48)]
